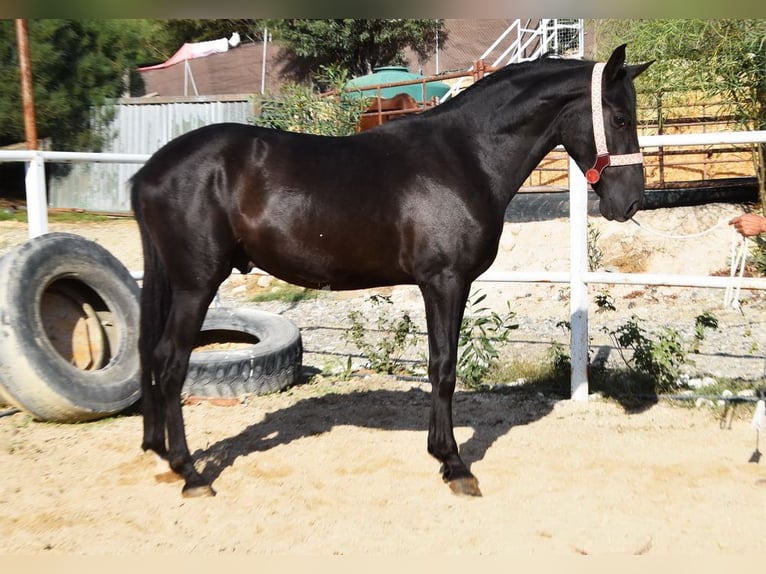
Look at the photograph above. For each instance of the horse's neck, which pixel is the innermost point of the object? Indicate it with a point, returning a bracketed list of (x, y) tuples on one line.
[(517, 125)]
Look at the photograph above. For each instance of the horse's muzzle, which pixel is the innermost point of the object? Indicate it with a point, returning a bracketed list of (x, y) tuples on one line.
[(609, 212)]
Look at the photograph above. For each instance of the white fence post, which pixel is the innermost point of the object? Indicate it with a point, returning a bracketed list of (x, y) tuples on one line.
[(578, 301), (37, 201)]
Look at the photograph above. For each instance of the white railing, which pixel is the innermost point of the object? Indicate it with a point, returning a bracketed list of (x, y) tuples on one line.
[(578, 277), (37, 208), (525, 42)]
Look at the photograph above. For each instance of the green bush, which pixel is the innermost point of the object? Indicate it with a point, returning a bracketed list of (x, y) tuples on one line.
[(481, 332), (660, 356), (385, 347), (758, 255), (595, 254), (301, 109), (656, 358)]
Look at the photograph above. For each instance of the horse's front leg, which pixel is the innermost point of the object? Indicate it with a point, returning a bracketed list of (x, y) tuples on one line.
[(445, 299)]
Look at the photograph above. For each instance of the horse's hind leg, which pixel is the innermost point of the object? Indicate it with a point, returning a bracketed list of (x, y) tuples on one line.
[(153, 416), (171, 359), (445, 298), (153, 408)]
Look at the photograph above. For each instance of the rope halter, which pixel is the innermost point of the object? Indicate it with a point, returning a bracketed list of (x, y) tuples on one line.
[(603, 158)]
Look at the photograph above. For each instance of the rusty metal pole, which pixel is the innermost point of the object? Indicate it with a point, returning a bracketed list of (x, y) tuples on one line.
[(37, 202), (30, 129)]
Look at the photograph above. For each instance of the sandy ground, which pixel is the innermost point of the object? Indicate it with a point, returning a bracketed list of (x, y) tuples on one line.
[(340, 468)]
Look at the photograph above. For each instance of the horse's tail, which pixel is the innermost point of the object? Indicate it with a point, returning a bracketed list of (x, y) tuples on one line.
[(155, 292)]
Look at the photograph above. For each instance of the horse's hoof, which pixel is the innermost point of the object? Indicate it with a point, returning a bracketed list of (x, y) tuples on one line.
[(162, 471), (164, 474), (466, 486), (204, 490), (167, 476)]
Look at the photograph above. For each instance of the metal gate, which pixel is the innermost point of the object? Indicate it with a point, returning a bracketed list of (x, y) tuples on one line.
[(139, 126)]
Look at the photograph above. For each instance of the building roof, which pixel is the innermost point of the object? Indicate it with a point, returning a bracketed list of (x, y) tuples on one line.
[(239, 70)]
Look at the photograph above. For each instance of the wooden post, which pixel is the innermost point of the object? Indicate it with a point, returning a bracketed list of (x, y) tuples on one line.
[(37, 200), (30, 129)]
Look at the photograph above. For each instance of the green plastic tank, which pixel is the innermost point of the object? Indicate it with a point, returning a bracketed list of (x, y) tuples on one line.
[(388, 74)]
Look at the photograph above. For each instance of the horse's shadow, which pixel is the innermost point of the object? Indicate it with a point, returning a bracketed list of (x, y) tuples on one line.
[(378, 409)]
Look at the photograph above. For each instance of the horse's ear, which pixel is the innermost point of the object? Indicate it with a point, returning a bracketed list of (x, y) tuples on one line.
[(634, 71), (614, 66), (615, 63)]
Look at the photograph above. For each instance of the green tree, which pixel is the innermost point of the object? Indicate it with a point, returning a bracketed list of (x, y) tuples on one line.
[(723, 59), (76, 65), (358, 46)]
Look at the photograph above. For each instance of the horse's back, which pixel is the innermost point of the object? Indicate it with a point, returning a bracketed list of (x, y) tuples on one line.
[(192, 148)]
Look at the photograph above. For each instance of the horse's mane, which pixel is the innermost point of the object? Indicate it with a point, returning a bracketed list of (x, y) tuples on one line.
[(543, 64), (546, 64)]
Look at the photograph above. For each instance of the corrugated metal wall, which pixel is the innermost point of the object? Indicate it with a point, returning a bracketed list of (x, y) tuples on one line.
[(139, 126)]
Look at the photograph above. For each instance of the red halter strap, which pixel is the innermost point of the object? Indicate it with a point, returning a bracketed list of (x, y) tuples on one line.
[(603, 158)]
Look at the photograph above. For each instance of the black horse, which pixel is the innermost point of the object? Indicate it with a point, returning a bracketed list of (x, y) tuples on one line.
[(417, 201)]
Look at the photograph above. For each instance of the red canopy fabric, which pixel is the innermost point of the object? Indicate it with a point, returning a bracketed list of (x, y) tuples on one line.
[(192, 50)]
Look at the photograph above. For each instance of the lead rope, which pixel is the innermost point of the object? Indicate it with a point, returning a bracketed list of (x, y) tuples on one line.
[(738, 258), (683, 236)]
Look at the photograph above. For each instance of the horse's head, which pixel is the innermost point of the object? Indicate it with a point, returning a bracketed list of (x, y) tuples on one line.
[(603, 140)]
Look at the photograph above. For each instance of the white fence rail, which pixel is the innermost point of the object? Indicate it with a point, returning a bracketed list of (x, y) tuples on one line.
[(578, 277)]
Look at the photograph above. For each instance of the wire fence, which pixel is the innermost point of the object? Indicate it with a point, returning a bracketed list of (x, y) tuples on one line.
[(579, 277)]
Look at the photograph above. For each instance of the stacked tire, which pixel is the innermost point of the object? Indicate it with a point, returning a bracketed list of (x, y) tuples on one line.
[(68, 336), (69, 315)]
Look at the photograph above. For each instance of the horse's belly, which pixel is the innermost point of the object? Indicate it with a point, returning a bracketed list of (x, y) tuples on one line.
[(336, 281), (337, 270)]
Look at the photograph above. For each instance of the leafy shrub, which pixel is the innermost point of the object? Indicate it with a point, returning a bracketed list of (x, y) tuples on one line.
[(385, 348), (758, 255), (704, 321), (662, 355), (657, 357), (480, 333), (595, 254), (560, 360), (299, 108), (604, 302)]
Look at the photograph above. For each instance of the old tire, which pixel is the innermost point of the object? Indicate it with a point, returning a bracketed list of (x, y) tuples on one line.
[(268, 358), (68, 330)]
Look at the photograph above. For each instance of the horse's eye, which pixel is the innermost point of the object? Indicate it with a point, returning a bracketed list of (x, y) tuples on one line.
[(620, 121)]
